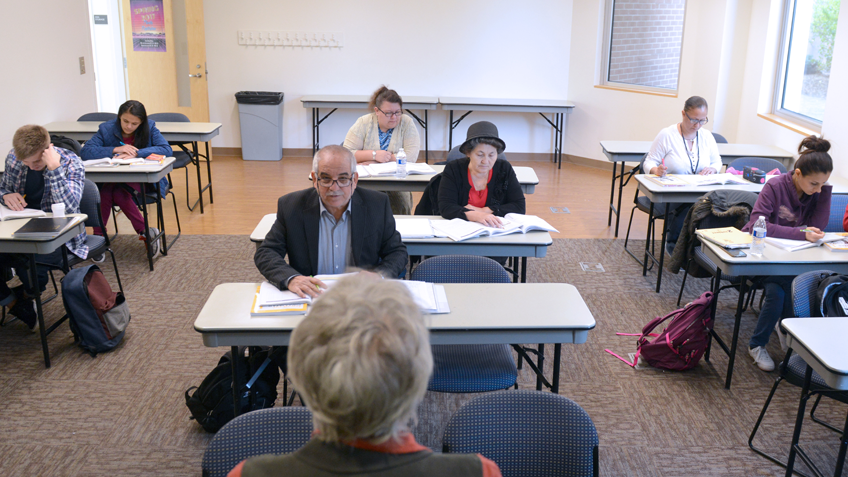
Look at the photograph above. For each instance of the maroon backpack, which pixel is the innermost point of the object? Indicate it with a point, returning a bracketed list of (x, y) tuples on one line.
[(683, 341)]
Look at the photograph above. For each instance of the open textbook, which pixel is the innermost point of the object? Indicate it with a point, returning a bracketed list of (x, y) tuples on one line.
[(112, 161), (271, 301), (386, 169), (795, 245), (682, 180), (8, 214), (459, 229)]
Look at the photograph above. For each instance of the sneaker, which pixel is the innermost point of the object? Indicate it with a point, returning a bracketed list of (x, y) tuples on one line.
[(24, 310), (761, 358), (155, 248), (781, 336), (99, 258)]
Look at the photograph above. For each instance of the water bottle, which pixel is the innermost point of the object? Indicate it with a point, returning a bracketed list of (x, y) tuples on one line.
[(759, 233), (400, 173)]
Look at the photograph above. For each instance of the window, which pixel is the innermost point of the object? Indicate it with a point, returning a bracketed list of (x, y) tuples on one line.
[(804, 67), (642, 44)]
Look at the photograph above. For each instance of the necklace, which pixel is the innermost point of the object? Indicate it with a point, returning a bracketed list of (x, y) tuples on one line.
[(694, 153)]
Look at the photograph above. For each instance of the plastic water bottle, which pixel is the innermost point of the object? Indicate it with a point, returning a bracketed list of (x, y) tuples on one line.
[(759, 233), (400, 173)]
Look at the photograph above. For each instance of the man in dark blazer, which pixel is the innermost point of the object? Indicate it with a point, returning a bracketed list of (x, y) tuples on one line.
[(330, 227)]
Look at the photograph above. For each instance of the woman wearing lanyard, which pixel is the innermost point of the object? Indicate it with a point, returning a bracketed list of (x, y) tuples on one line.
[(683, 148)]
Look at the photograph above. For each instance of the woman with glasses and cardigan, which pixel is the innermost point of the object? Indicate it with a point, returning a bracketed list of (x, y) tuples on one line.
[(377, 137), (683, 148)]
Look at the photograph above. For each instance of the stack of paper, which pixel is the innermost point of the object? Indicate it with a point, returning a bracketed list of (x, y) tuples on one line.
[(414, 228), (387, 169), (7, 213), (431, 298), (728, 237)]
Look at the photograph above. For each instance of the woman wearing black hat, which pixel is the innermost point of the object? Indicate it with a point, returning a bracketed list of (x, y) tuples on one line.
[(480, 188)]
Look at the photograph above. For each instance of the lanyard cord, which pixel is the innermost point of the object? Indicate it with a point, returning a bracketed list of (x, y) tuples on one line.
[(694, 165)]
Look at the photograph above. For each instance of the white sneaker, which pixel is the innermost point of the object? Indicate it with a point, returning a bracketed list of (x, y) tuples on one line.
[(155, 247), (781, 336), (761, 358)]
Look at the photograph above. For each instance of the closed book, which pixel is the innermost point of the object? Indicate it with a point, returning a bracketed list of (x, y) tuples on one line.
[(44, 227), (727, 237)]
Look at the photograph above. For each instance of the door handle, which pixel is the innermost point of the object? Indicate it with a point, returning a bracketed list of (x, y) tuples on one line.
[(198, 75)]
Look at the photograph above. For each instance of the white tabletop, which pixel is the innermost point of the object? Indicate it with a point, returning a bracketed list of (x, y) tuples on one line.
[(526, 176), (147, 173), (11, 244), (821, 342), (507, 104), (732, 151), (776, 261), (480, 314), (690, 194), (531, 244), (362, 100), (190, 131)]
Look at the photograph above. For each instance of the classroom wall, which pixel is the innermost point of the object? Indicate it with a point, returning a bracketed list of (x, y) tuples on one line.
[(41, 81), (476, 48)]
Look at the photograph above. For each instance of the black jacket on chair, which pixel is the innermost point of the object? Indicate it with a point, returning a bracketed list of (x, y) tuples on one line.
[(375, 242), (505, 195)]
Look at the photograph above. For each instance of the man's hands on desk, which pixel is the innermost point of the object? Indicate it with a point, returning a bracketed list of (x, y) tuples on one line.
[(313, 287)]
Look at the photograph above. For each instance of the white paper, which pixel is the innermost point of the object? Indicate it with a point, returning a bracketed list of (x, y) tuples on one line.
[(414, 228), (423, 294), (7, 213)]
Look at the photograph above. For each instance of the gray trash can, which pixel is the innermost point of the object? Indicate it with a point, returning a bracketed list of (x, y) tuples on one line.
[(261, 123)]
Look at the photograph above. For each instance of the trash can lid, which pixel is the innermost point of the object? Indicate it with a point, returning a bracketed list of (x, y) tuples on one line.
[(259, 97)]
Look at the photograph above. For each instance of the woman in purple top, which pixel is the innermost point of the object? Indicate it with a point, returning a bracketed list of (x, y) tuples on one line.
[(796, 206)]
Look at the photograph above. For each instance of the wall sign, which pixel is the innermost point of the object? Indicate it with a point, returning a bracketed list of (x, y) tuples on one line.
[(148, 25)]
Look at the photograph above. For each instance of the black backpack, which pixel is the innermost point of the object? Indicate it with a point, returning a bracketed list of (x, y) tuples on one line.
[(66, 143), (98, 316), (211, 403), (832, 296)]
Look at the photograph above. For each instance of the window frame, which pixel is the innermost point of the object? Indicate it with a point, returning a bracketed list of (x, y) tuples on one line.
[(786, 29), (606, 52)]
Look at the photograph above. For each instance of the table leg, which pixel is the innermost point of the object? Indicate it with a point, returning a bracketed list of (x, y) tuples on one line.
[(662, 247), (523, 269), (317, 145), (516, 273), (735, 339), (235, 365), (713, 306), (799, 420), (840, 460), (426, 139), (620, 191), (209, 174), (540, 366), (143, 201), (561, 131), (450, 131), (199, 185), (555, 377), (314, 128), (612, 198), (42, 330)]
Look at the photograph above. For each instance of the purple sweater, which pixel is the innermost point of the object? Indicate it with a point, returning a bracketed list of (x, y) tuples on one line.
[(785, 213)]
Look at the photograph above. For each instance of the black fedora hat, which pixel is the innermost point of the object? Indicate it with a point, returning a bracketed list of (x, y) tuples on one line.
[(482, 129)]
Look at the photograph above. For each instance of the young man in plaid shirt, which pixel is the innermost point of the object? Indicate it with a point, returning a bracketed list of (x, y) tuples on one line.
[(37, 176)]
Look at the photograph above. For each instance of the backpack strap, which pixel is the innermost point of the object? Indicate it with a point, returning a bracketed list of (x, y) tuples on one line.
[(258, 373), (635, 357)]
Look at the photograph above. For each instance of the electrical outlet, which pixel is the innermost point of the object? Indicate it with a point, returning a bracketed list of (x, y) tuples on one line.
[(82, 65), (242, 38)]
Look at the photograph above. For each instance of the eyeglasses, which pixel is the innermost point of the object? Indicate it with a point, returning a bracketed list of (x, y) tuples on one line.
[(697, 121), (393, 114), (326, 182)]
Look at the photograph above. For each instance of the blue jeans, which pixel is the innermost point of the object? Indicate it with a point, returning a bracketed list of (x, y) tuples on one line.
[(777, 304)]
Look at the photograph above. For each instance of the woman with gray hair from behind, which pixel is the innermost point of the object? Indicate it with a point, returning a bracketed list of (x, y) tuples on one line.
[(361, 361)]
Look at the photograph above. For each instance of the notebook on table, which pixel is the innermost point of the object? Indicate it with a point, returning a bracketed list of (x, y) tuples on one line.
[(728, 237), (9, 214)]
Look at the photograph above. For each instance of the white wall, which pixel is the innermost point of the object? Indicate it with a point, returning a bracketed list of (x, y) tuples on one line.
[(474, 48), (835, 122), (41, 81)]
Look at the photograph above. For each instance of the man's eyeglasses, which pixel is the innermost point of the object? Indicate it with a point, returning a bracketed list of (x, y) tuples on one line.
[(393, 114), (326, 182), (697, 121)]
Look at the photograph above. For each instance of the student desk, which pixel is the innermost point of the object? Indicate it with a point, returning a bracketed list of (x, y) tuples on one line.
[(774, 262), (145, 174), (634, 151), (557, 108), (360, 101), (821, 343), (33, 247), (658, 194), (172, 132), (526, 176), (532, 244), (490, 313)]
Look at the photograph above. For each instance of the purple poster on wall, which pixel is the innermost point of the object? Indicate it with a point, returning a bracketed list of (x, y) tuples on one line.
[(148, 25)]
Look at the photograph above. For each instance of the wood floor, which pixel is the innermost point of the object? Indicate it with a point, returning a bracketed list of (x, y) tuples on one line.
[(244, 191)]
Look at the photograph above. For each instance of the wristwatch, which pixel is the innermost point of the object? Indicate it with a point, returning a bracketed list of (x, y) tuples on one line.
[(373, 155)]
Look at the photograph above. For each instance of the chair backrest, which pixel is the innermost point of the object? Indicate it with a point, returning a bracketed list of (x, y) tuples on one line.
[(762, 163), (460, 269), (65, 142), (838, 203), (804, 288), (169, 117), (454, 154), (276, 430), (527, 433), (719, 139), (99, 117), (90, 204)]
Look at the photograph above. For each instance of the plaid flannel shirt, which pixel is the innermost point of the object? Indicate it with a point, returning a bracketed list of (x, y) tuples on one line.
[(65, 184)]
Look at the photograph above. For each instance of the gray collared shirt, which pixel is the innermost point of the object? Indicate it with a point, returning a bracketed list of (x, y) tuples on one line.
[(334, 249)]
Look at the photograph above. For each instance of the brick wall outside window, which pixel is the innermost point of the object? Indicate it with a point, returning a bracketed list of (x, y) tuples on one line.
[(645, 43)]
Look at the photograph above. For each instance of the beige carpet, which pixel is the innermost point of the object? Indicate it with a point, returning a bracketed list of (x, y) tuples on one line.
[(123, 413)]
